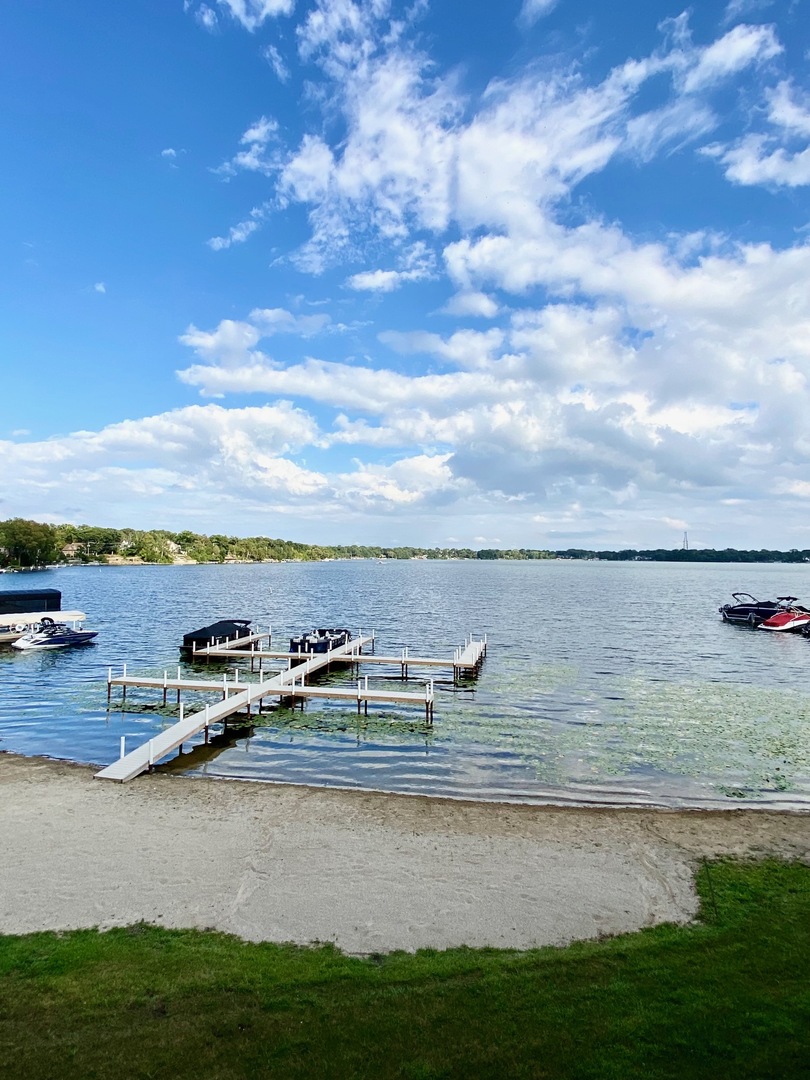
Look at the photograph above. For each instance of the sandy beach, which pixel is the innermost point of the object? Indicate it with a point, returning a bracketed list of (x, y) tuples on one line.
[(369, 872)]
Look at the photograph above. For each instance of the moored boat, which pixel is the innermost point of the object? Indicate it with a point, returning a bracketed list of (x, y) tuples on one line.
[(790, 617), (223, 632), (320, 641), (783, 613), (54, 635), (746, 609)]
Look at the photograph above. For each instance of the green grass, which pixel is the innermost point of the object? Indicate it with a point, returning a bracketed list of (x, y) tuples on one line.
[(728, 997)]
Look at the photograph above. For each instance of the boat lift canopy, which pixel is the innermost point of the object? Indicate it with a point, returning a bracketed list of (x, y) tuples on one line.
[(25, 618)]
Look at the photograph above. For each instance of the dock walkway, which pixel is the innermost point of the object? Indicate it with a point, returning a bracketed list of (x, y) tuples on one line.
[(288, 684), (145, 756)]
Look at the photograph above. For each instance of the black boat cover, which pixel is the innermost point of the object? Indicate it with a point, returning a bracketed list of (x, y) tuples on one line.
[(224, 628)]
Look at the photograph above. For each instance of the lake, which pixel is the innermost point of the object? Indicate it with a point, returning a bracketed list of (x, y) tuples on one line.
[(605, 683)]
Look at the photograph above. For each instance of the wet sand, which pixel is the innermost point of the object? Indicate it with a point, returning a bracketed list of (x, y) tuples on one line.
[(370, 872)]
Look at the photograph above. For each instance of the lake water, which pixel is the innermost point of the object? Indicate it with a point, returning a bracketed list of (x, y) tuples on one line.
[(607, 683)]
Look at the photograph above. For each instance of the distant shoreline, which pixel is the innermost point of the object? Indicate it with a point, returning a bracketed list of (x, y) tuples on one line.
[(740, 558)]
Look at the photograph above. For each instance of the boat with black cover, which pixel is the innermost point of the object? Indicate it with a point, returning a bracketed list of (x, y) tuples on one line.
[(217, 633)]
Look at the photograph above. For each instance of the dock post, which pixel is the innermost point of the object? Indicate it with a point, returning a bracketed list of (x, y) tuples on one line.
[(123, 745), (109, 683), (358, 696), (366, 706), (151, 756)]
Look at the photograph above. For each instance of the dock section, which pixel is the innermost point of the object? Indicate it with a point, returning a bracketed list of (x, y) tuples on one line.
[(289, 685), (145, 756)]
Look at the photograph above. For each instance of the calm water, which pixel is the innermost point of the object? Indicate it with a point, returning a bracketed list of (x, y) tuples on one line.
[(604, 682)]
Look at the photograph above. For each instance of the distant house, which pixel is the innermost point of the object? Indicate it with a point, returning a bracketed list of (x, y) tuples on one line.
[(72, 551)]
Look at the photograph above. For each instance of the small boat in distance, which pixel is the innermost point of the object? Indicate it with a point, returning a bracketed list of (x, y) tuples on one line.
[(54, 635)]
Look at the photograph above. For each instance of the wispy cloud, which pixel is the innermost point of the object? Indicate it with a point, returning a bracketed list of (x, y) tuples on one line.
[(276, 62), (532, 10)]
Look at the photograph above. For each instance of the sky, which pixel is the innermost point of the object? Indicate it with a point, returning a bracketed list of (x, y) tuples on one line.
[(526, 274)]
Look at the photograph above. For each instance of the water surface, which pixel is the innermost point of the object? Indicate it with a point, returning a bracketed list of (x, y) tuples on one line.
[(611, 683)]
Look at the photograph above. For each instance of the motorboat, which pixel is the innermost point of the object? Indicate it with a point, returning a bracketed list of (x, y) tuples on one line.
[(223, 632), (746, 609), (49, 634), (783, 613), (16, 624), (791, 616), (320, 641)]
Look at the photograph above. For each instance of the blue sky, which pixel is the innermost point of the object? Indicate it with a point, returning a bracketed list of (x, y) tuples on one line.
[(528, 274)]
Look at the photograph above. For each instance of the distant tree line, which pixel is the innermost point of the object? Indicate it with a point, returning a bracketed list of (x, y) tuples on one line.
[(26, 543)]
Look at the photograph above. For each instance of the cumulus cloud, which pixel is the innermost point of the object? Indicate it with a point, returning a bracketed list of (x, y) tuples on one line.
[(624, 383), (778, 157)]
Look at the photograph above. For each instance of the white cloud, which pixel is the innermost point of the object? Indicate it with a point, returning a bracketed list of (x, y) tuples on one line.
[(472, 303), (736, 8), (375, 280), (741, 47), (671, 126), (752, 161), (789, 108), (625, 382), (252, 13), (259, 138), (281, 321), (240, 232), (417, 263), (276, 62), (168, 153), (205, 16), (532, 10), (100, 287), (779, 158)]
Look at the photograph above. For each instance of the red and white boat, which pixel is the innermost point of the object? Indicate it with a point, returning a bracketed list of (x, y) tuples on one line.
[(791, 616)]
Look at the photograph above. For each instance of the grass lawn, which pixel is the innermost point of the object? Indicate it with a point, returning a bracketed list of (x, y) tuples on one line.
[(728, 997)]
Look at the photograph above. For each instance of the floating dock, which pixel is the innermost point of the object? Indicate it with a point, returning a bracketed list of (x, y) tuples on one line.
[(289, 685)]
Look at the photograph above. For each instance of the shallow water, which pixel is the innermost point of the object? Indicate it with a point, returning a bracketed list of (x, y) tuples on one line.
[(611, 683)]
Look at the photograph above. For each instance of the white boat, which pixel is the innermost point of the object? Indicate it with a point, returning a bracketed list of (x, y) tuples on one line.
[(55, 635)]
